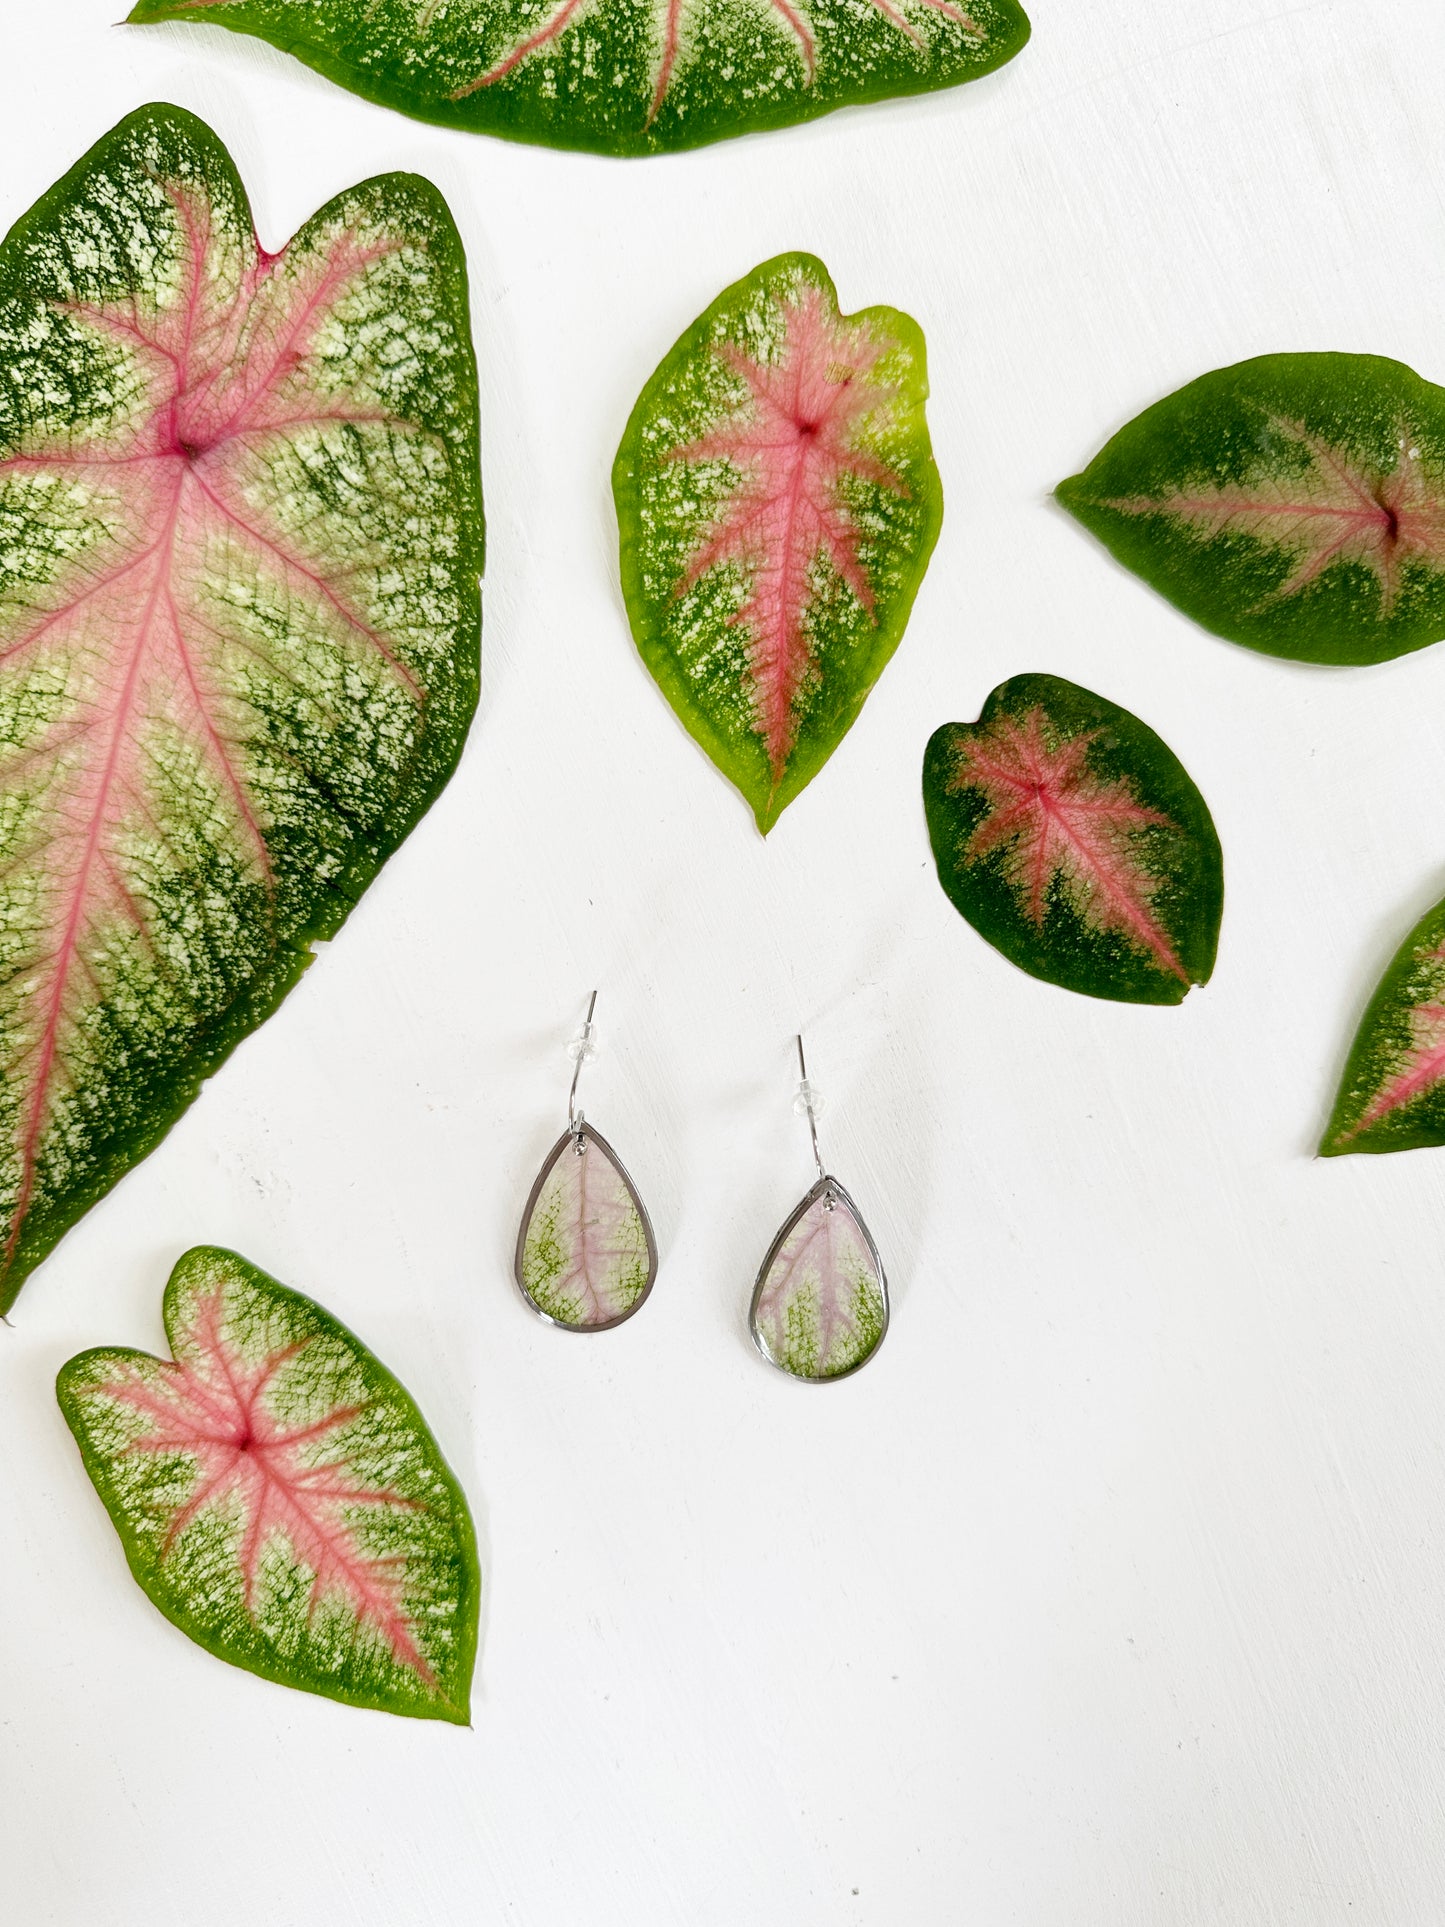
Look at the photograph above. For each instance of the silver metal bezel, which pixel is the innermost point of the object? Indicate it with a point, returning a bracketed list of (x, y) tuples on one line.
[(827, 1186), (584, 1132)]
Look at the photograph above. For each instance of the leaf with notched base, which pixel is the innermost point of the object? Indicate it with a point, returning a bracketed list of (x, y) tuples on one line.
[(1073, 840), (619, 76), (778, 503), (1392, 1095), (240, 537), (1295, 503), (279, 1496)]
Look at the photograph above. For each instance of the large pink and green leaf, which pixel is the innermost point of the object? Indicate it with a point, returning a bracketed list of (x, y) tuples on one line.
[(1072, 838), (619, 77), (1392, 1094), (778, 503), (279, 1496), (240, 536), (1295, 503)]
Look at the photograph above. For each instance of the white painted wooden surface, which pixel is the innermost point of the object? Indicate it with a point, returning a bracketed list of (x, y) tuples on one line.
[(1113, 1593)]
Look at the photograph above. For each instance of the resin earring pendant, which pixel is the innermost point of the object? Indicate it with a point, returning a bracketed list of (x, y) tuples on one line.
[(820, 1306), (586, 1257)]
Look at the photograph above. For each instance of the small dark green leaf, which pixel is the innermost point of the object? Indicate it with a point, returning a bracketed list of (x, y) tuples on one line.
[(1074, 841)]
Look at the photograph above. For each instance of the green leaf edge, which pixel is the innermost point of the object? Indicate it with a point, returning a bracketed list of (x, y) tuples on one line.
[(1120, 534), (454, 1713), (1337, 1142), (1176, 780), (639, 146), (648, 635), (176, 1094)]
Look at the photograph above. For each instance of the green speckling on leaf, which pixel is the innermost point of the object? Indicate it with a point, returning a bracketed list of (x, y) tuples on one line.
[(279, 1497), (240, 539), (625, 76)]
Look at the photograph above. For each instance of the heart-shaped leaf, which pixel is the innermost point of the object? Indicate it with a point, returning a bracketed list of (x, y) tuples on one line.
[(778, 504), (279, 1496), (1392, 1095), (1295, 504), (240, 533), (621, 78), (1073, 839)]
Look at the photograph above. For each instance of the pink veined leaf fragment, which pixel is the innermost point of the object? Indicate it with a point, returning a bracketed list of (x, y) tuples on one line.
[(279, 1497), (1422, 1068), (672, 23), (643, 77), (794, 440), (1054, 819), (556, 23), (1337, 508), (820, 1307), (1418, 1069), (585, 1256)]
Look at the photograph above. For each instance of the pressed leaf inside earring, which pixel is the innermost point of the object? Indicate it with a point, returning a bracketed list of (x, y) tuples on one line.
[(586, 1256), (820, 1306)]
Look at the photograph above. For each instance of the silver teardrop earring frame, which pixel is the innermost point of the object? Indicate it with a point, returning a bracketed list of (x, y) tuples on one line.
[(820, 1305)]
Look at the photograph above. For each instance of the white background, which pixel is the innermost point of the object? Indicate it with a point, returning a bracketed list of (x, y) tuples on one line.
[(1113, 1591)]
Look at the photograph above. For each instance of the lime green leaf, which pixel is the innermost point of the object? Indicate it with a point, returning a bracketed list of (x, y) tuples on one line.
[(778, 504)]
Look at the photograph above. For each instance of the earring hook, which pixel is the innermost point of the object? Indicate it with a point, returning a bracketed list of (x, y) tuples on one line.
[(810, 1102), (580, 1049)]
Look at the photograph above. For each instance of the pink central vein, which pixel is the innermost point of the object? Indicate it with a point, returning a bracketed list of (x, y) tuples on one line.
[(70, 937)]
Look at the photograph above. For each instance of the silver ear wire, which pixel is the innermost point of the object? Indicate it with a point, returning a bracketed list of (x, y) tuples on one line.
[(579, 1050), (819, 1309), (809, 1104), (586, 1256)]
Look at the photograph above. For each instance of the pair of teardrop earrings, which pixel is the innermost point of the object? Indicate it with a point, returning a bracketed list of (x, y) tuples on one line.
[(587, 1258)]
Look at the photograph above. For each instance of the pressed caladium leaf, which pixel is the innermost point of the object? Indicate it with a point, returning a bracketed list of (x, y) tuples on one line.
[(619, 77), (820, 1305), (778, 503), (240, 534), (1295, 504), (586, 1258), (279, 1496), (1392, 1095), (1073, 839)]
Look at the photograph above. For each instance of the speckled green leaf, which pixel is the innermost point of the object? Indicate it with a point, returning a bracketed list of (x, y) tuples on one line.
[(240, 534), (1073, 839), (1392, 1095), (279, 1496), (778, 503), (625, 76), (1295, 504)]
